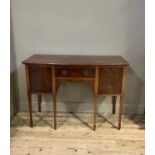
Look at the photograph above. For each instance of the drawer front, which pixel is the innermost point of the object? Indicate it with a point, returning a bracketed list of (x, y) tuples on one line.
[(40, 79), (110, 80), (74, 71)]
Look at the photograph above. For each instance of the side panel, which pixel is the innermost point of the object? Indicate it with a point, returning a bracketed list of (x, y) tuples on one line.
[(110, 80), (40, 78)]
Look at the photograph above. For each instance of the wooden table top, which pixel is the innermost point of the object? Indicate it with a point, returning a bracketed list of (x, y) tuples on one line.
[(75, 60)]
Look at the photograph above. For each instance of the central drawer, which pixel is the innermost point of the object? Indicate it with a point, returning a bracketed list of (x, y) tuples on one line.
[(75, 71)]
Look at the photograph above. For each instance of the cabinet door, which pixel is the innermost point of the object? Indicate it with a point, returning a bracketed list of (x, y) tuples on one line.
[(110, 80), (40, 78)]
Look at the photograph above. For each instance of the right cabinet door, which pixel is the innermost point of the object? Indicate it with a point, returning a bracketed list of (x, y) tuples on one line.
[(110, 80)]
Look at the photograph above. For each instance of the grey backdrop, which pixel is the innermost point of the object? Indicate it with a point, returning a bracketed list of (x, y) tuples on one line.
[(90, 27)]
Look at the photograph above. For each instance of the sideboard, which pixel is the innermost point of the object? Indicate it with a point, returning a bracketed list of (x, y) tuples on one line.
[(106, 75)]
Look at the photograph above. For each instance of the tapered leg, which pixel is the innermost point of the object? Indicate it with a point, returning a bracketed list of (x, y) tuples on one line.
[(120, 111), (96, 94), (95, 109), (39, 102), (54, 86), (54, 109), (114, 98), (30, 108)]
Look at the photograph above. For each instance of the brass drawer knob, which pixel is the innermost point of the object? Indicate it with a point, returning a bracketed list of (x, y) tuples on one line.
[(85, 73), (64, 72)]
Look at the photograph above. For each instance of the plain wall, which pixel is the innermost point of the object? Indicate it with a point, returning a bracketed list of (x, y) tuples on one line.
[(81, 27)]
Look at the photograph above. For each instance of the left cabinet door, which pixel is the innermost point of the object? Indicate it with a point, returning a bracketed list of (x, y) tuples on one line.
[(40, 77)]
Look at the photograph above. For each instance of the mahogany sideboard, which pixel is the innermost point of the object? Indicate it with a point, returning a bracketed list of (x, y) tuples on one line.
[(106, 75)]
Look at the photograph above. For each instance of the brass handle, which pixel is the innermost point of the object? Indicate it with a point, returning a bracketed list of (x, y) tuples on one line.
[(64, 72), (85, 73)]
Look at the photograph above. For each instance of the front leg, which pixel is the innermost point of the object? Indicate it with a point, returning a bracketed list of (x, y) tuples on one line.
[(95, 109), (30, 108), (114, 98), (54, 109), (39, 97), (120, 111), (54, 85)]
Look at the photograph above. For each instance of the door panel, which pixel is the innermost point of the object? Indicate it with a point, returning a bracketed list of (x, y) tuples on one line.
[(110, 80), (40, 78)]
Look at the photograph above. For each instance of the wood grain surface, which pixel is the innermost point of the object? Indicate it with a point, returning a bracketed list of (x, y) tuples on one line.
[(75, 60), (74, 135)]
